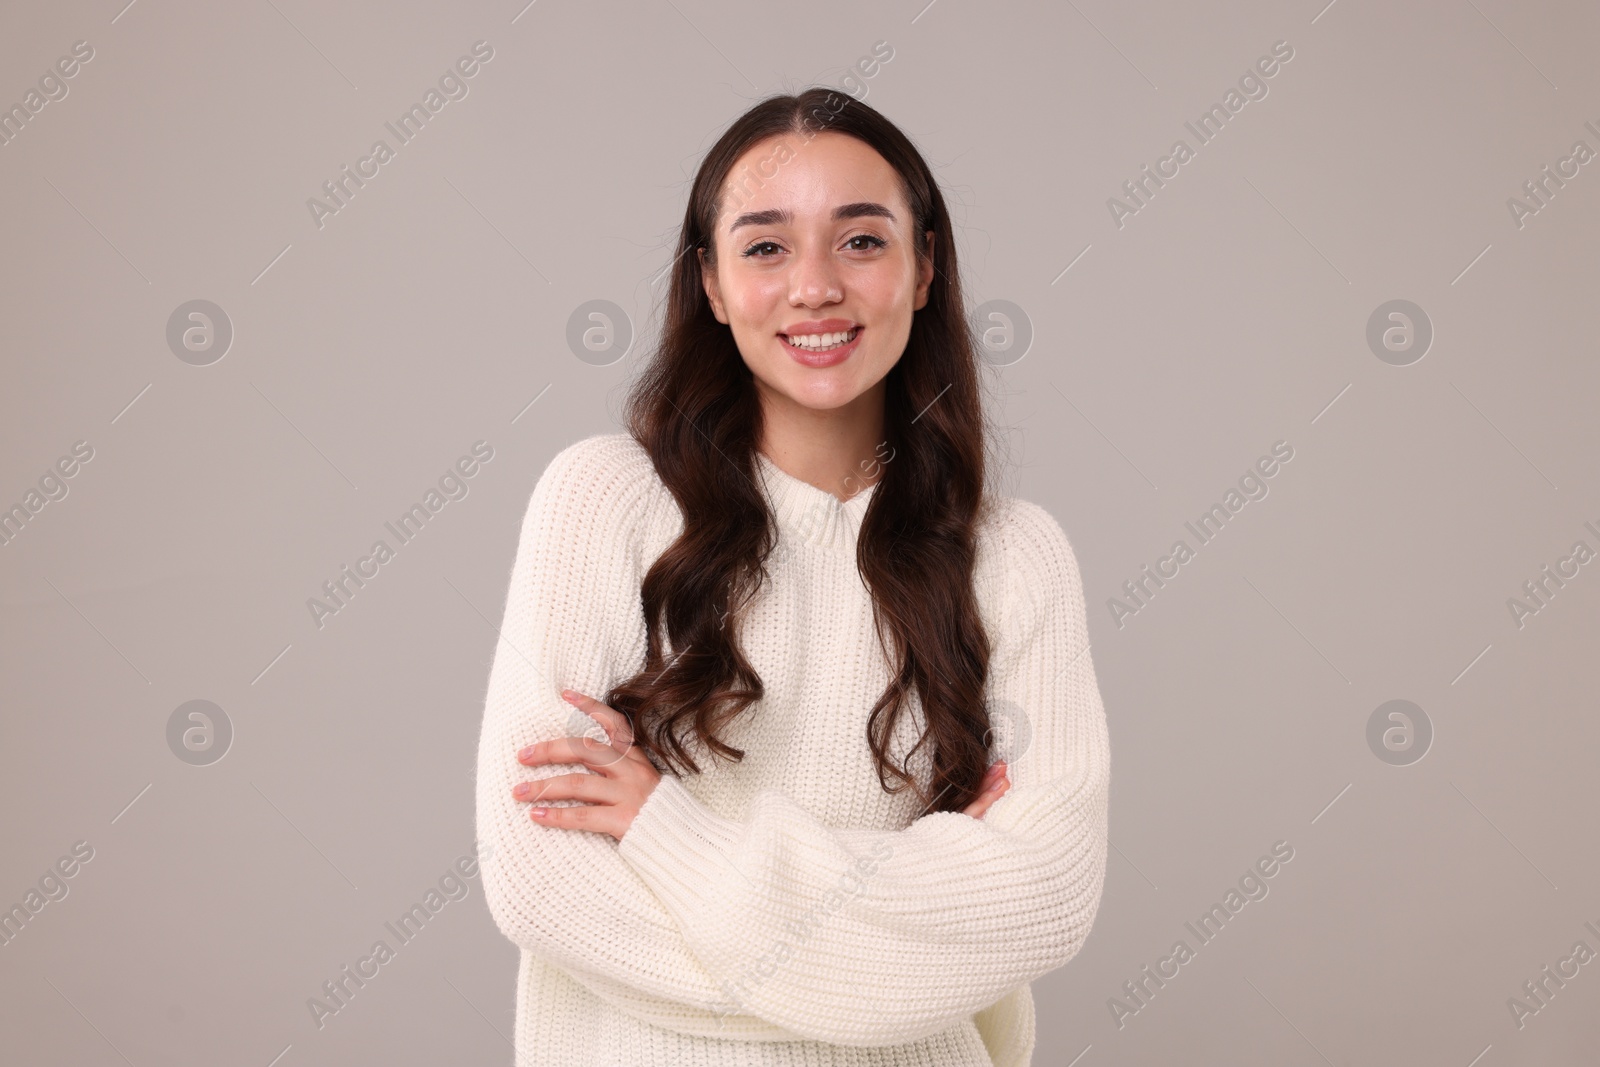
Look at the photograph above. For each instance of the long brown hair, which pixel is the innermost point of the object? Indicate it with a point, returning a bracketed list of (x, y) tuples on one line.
[(695, 409)]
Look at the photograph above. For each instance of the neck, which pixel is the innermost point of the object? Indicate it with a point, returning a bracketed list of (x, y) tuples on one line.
[(839, 451)]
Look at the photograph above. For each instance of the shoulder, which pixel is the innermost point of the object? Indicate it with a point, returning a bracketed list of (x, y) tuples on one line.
[(1028, 562), (602, 472), (601, 487), (600, 465), (1033, 541)]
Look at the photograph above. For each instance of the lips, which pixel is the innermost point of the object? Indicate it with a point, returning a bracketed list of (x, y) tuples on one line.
[(817, 341), (828, 356)]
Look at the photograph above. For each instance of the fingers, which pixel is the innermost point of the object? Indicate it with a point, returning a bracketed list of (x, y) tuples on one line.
[(613, 722), (598, 819), (993, 787), (581, 786), (583, 750), (599, 815)]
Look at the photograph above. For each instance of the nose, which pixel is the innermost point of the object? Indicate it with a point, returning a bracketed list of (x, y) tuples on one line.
[(815, 279)]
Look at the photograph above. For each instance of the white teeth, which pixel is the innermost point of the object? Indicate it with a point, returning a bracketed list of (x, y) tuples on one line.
[(821, 340)]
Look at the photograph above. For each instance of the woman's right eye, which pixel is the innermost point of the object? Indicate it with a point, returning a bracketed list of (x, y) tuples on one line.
[(750, 253)]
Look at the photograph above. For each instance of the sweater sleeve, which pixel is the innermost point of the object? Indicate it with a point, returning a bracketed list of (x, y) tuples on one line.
[(569, 622), (864, 937)]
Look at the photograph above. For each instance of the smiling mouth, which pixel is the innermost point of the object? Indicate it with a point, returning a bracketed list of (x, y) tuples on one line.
[(822, 342)]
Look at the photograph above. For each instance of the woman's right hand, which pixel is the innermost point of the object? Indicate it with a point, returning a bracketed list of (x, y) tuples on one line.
[(995, 784)]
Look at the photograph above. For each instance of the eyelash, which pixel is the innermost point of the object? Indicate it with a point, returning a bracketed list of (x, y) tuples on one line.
[(878, 242)]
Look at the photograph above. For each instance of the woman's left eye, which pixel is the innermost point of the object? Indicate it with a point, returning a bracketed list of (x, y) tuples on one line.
[(877, 242)]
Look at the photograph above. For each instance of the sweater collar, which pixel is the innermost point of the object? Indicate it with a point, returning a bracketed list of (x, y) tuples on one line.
[(809, 514)]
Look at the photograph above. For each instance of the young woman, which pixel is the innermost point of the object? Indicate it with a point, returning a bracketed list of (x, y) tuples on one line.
[(793, 750)]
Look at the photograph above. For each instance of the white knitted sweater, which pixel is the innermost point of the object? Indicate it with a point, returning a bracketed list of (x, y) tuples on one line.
[(785, 910)]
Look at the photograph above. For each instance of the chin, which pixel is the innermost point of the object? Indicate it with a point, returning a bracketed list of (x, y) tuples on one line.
[(819, 396)]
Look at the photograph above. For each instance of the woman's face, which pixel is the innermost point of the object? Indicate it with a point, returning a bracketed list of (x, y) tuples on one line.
[(815, 239)]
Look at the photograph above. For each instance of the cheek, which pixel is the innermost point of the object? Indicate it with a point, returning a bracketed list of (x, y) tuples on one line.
[(890, 284), (886, 300), (754, 301)]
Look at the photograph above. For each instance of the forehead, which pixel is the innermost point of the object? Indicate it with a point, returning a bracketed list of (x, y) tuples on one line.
[(809, 179)]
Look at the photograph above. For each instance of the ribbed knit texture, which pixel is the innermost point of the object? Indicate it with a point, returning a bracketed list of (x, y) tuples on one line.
[(785, 910)]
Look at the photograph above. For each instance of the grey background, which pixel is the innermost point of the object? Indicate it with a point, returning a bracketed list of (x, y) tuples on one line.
[(1229, 313)]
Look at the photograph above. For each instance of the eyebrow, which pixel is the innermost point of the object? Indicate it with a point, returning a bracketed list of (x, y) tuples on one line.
[(783, 217)]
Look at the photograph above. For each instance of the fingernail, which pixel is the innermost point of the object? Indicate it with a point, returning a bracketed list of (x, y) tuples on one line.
[(525, 753), (521, 790), (538, 813)]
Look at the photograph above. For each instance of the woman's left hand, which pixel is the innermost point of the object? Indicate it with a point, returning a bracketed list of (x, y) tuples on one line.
[(615, 794)]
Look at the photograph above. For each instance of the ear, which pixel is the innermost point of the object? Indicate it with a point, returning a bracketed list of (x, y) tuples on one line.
[(924, 275), (708, 279)]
